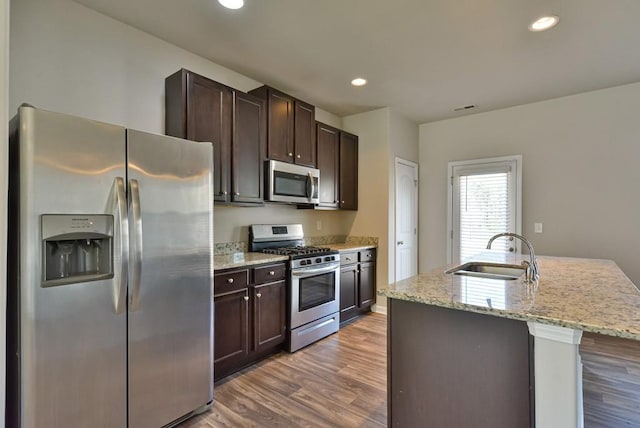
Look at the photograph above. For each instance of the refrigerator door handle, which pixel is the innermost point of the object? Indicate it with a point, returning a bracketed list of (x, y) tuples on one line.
[(136, 243), (123, 234)]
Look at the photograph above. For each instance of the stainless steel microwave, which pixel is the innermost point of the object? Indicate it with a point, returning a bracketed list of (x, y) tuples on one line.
[(287, 182)]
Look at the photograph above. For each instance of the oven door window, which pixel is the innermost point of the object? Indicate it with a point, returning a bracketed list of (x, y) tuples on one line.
[(316, 290)]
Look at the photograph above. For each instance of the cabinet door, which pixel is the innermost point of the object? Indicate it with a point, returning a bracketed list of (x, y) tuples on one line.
[(248, 148), (348, 290), (231, 328), (280, 135), (304, 134), (328, 141), (209, 119), (269, 322), (348, 171), (367, 284)]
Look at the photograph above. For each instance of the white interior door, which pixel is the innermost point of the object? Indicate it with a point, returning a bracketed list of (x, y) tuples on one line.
[(406, 254)]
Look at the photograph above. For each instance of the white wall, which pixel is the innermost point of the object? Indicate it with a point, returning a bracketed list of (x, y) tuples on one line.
[(403, 143), (580, 173), (383, 135), (68, 58), (4, 118)]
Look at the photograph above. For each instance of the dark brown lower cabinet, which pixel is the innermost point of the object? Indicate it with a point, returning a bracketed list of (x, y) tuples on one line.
[(269, 314), (249, 316), (449, 368), (357, 283)]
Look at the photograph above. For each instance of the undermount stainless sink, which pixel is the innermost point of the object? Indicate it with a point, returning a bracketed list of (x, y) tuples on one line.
[(502, 271)]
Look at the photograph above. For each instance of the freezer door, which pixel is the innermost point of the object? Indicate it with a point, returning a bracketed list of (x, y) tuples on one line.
[(67, 347), (171, 278)]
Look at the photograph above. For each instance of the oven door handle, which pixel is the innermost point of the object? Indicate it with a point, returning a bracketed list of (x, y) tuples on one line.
[(309, 272)]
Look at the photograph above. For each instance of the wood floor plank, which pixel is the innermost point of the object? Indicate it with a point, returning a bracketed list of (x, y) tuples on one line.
[(340, 381)]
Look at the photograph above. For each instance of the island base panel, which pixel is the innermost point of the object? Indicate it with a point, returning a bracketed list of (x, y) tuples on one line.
[(450, 368)]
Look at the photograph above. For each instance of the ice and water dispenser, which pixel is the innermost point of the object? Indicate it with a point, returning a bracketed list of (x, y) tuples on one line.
[(76, 248)]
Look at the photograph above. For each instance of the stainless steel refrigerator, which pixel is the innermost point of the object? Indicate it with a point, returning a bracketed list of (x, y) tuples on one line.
[(110, 312)]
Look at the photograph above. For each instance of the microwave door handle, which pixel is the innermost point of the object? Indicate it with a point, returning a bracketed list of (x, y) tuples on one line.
[(311, 187)]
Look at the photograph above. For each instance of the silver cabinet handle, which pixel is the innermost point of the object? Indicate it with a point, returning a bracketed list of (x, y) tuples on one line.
[(271, 273), (258, 295), (290, 155), (399, 243), (223, 193), (230, 280), (123, 225), (236, 193), (348, 259), (343, 202), (298, 156), (136, 234), (368, 255), (246, 298)]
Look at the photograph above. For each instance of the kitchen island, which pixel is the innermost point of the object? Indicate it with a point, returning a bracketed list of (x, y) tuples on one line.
[(470, 351)]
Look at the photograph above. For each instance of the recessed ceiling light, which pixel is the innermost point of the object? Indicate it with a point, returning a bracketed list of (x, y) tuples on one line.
[(232, 4), (544, 23), (359, 81)]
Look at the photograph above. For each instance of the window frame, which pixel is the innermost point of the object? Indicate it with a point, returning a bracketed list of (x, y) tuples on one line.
[(517, 176)]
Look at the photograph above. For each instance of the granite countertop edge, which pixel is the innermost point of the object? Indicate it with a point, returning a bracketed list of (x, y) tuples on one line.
[(592, 295)]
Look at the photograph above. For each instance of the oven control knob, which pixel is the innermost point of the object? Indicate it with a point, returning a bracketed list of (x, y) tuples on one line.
[(328, 259), (319, 260), (303, 262)]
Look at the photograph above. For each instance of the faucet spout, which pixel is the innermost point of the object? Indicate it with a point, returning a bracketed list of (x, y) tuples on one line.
[(532, 271)]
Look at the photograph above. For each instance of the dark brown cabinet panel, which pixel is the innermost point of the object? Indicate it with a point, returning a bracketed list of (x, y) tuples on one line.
[(357, 283), (269, 322), (348, 291), (231, 321), (250, 316), (290, 127), (328, 143), (304, 134), (248, 146), (200, 109), (348, 171), (465, 370), (367, 285)]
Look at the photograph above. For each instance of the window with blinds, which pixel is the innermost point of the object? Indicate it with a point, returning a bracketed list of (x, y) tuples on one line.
[(483, 201)]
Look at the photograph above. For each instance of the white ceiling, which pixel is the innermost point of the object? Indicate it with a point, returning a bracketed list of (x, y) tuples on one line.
[(422, 57)]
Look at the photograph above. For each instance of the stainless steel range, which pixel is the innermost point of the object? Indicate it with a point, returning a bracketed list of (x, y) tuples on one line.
[(314, 282)]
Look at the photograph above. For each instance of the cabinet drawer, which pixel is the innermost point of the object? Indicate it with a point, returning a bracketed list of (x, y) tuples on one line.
[(269, 273), (348, 258), (367, 255), (230, 281)]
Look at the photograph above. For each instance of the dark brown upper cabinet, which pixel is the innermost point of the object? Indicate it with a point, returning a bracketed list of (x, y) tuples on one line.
[(348, 171), (328, 140), (248, 148), (290, 127), (200, 109)]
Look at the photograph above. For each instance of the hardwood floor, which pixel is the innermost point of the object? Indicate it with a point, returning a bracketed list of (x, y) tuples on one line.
[(611, 381), (340, 381)]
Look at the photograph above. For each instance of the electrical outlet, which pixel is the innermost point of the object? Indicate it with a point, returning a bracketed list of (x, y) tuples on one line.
[(537, 227), (319, 224)]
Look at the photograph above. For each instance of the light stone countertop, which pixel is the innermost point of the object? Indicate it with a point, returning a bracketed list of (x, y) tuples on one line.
[(238, 260), (347, 247), (584, 294)]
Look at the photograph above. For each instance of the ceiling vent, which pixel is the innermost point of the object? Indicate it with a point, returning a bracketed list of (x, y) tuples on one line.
[(465, 108)]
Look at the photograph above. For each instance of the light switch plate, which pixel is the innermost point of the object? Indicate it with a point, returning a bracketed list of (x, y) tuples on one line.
[(537, 227)]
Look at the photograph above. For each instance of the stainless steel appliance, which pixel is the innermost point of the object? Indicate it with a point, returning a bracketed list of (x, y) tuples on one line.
[(287, 182), (110, 313), (314, 282)]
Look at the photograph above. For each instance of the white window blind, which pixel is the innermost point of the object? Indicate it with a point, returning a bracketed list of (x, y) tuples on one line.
[(484, 204), (484, 211)]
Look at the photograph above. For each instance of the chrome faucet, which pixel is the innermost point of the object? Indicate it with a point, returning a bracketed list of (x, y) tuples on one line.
[(532, 273)]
